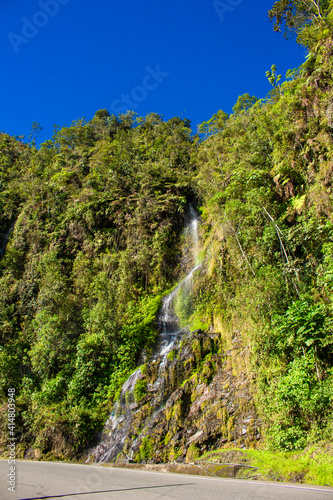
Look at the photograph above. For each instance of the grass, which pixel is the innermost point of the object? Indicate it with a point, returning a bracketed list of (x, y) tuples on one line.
[(314, 465)]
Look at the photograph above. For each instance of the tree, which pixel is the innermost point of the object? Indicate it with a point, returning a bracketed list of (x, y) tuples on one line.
[(294, 15), (102, 113), (244, 102), (35, 130), (215, 124), (273, 77)]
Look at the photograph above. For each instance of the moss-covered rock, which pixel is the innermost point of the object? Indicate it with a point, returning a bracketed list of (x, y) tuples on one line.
[(195, 404)]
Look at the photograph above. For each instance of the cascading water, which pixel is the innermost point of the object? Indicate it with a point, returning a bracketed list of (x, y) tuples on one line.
[(119, 425), (193, 230)]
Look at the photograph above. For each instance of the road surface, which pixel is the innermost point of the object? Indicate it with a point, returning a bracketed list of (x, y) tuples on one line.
[(44, 480)]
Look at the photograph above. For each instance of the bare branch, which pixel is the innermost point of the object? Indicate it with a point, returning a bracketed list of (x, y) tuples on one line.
[(240, 246), (279, 234)]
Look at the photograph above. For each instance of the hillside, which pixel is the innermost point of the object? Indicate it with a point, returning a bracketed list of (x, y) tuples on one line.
[(92, 238)]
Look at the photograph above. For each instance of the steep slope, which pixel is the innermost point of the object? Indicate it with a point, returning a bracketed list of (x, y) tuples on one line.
[(92, 226), (265, 180), (95, 244)]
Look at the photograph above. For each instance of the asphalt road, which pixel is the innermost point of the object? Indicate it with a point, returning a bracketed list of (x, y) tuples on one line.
[(41, 480)]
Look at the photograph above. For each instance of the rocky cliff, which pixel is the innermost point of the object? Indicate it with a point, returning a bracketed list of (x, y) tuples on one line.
[(198, 401)]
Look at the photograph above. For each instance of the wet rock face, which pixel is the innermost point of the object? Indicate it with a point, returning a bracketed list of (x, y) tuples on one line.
[(192, 402), (187, 399)]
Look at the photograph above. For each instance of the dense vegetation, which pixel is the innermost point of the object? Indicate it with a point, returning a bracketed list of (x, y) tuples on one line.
[(98, 213)]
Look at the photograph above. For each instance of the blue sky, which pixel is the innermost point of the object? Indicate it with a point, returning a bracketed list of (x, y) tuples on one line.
[(62, 60)]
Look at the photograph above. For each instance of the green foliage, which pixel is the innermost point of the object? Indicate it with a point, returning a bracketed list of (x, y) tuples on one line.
[(244, 102), (300, 393), (299, 16), (171, 355), (193, 452), (144, 369), (264, 181), (140, 390), (273, 77), (91, 225), (304, 328), (301, 404), (90, 240), (184, 305), (215, 124), (313, 465), (146, 449)]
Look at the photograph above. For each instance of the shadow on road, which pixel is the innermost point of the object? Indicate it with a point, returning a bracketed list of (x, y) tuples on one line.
[(107, 491)]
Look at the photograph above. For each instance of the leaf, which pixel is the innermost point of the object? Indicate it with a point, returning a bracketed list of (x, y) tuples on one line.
[(298, 202)]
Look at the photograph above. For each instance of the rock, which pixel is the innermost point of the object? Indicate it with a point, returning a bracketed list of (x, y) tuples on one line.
[(195, 437), (197, 404)]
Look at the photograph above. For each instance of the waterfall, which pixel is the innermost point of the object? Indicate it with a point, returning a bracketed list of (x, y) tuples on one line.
[(168, 320), (118, 426), (193, 229)]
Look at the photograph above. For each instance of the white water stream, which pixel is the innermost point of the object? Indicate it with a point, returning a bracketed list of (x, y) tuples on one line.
[(118, 426)]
